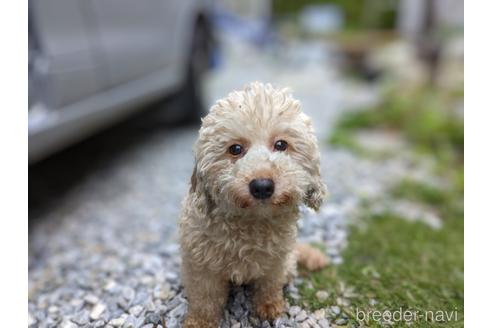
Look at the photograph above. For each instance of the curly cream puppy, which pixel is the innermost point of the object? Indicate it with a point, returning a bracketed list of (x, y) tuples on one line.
[(256, 161)]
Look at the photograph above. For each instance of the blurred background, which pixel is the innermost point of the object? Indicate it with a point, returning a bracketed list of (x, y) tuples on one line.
[(116, 93)]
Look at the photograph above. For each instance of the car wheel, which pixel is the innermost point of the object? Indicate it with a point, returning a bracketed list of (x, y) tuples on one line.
[(192, 94)]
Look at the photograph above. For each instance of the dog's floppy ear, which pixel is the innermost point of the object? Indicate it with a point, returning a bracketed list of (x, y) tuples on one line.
[(315, 196), (316, 192), (197, 186), (193, 181)]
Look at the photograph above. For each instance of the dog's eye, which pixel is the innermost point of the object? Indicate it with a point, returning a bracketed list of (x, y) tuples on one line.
[(236, 149), (280, 145)]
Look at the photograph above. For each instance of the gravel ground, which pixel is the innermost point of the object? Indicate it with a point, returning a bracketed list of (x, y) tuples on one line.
[(104, 253)]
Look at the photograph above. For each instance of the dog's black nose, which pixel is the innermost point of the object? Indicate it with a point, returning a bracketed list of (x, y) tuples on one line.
[(261, 188)]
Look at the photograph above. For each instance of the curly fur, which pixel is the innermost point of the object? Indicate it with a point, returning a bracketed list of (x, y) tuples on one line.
[(228, 236)]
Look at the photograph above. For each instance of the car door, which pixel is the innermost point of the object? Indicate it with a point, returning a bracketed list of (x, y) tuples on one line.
[(133, 36), (63, 56)]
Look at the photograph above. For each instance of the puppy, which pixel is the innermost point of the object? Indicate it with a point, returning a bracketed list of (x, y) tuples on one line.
[(256, 161)]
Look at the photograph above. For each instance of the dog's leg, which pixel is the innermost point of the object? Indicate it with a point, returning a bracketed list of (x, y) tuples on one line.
[(268, 297), (311, 258), (207, 294)]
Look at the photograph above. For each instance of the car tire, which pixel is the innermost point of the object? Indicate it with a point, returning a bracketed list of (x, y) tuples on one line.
[(191, 96), (185, 105)]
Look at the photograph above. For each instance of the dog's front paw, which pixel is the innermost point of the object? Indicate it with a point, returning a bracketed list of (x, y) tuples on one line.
[(270, 310)]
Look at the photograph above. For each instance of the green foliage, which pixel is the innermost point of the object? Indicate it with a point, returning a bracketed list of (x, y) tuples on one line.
[(379, 14), (418, 191), (447, 202), (423, 116), (343, 138)]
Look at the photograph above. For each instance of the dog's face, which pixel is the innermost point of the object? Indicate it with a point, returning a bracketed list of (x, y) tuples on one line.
[(257, 152)]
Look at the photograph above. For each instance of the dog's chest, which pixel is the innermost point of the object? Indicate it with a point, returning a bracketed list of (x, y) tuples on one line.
[(249, 251)]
